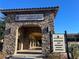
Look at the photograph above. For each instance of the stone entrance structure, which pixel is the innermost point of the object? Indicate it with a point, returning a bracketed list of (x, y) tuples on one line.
[(27, 30)]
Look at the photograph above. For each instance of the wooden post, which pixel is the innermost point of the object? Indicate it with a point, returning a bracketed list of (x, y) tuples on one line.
[(50, 41), (66, 41)]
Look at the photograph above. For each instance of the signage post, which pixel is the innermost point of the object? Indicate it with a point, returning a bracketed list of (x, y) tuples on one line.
[(58, 43), (66, 45), (50, 42)]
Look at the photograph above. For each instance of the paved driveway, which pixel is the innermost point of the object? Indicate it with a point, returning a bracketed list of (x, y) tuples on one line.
[(22, 58)]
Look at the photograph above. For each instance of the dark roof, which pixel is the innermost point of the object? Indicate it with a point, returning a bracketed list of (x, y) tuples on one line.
[(72, 35), (30, 9)]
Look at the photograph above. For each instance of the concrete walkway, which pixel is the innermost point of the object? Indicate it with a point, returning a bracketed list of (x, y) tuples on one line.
[(27, 56)]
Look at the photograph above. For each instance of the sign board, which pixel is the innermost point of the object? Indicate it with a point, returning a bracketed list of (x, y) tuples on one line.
[(23, 17), (58, 43)]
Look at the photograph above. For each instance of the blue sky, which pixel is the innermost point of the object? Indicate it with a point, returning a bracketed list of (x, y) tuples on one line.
[(67, 17)]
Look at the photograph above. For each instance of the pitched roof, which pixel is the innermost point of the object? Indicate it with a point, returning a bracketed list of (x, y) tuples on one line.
[(4, 11)]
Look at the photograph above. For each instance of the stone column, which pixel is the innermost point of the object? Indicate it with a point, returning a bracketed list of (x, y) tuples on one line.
[(9, 38)]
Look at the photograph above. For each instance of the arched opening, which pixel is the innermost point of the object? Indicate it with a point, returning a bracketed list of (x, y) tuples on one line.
[(29, 38)]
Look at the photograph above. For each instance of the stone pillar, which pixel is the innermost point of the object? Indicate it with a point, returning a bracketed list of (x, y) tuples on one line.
[(9, 39), (49, 18)]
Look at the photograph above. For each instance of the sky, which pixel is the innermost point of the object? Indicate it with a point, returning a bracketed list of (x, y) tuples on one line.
[(67, 17)]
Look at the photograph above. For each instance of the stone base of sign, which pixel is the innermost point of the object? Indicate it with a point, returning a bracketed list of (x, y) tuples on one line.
[(54, 56), (58, 56)]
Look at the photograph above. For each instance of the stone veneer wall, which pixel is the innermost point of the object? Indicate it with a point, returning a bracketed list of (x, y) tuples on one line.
[(10, 32)]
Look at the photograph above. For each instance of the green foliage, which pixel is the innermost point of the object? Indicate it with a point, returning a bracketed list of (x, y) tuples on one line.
[(75, 51)]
